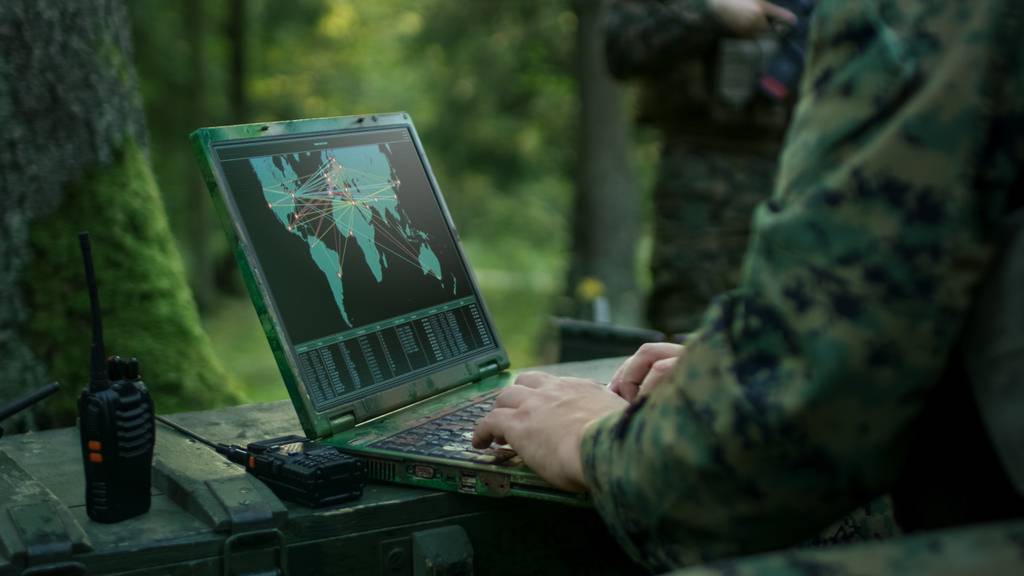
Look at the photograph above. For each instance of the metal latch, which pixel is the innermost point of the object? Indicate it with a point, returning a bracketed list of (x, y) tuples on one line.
[(252, 521), (247, 506), (443, 551), (280, 566)]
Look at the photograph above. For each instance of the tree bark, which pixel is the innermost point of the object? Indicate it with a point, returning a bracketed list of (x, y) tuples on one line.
[(238, 97), (227, 276), (607, 209), (203, 262), (72, 157)]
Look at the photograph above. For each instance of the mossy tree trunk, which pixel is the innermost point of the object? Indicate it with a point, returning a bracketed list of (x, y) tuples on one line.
[(73, 157)]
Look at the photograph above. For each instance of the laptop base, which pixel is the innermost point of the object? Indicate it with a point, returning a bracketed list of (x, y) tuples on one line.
[(462, 472)]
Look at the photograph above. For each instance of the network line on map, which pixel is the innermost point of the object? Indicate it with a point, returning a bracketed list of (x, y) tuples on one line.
[(329, 200)]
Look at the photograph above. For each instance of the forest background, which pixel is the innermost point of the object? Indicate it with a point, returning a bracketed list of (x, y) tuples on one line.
[(510, 98)]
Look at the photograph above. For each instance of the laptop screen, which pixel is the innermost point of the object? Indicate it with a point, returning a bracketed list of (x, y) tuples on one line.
[(357, 256)]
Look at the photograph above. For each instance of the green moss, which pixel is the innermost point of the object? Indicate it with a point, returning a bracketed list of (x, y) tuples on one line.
[(148, 309), (242, 347)]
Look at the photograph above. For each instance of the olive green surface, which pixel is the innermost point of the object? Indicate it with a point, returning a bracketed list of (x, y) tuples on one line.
[(187, 527)]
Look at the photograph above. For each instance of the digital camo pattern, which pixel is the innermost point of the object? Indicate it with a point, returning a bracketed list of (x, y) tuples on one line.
[(650, 37), (794, 401), (717, 160), (990, 549)]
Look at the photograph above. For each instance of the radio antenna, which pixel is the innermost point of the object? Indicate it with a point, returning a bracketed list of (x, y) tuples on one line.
[(98, 379), (232, 452)]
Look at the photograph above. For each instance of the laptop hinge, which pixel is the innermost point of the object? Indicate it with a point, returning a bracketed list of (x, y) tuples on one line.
[(488, 369), (343, 422)]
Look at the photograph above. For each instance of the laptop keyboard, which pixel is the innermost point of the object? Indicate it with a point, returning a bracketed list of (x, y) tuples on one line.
[(449, 436)]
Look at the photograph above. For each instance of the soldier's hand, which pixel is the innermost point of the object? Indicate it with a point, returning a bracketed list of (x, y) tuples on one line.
[(543, 417), (652, 364), (748, 17)]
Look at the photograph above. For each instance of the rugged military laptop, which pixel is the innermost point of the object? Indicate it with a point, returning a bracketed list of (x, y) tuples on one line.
[(364, 292)]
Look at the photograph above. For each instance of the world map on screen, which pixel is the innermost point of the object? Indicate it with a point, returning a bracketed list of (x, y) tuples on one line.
[(348, 207)]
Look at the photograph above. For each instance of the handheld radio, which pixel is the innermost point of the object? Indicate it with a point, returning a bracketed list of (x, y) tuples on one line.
[(115, 421), (296, 469)]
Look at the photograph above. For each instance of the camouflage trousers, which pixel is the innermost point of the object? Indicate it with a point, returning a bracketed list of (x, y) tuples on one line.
[(980, 549), (703, 204)]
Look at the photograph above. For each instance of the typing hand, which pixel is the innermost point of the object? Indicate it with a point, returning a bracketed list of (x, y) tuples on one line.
[(543, 418), (652, 364)]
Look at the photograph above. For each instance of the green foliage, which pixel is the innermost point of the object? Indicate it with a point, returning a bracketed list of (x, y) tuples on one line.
[(490, 86), (140, 276), (241, 345)]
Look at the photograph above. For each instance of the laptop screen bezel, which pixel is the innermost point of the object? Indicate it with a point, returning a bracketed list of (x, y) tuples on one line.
[(323, 422)]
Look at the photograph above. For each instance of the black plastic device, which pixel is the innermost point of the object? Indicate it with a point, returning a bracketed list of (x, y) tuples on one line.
[(781, 77), (296, 469), (115, 422), (303, 471)]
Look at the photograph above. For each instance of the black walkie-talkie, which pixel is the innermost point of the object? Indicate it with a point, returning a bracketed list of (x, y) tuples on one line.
[(115, 420), (295, 468)]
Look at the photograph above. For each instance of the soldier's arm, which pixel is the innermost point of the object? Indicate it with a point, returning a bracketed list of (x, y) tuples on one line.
[(645, 37), (794, 402)]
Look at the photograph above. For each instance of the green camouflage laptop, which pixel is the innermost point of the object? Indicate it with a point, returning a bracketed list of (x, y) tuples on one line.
[(370, 307)]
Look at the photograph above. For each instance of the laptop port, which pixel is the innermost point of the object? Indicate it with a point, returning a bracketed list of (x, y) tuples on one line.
[(467, 483), (422, 471)]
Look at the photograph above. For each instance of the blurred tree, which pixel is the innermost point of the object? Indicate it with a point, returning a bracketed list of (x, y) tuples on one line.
[(74, 158), (607, 210), (238, 38), (179, 50), (503, 118), (200, 225)]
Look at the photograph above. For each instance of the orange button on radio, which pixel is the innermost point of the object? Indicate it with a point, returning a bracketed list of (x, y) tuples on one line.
[(95, 445), (95, 457)]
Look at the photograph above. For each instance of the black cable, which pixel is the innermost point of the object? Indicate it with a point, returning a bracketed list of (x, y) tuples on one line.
[(232, 452), (181, 429)]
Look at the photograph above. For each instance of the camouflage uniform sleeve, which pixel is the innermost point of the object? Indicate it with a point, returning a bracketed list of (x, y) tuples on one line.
[(644, 37), (793, 401)]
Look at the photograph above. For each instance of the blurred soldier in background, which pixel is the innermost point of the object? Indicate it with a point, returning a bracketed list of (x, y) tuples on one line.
[(718, 80)]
